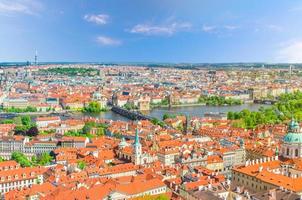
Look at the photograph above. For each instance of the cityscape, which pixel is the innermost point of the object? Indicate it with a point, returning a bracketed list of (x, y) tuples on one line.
[(105, 101)]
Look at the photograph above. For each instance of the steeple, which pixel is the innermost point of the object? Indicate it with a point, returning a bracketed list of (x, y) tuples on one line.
[(277, 151), (136, 142), (137, 149)]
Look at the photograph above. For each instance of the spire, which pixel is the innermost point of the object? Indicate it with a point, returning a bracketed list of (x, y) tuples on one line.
[(136, 137), (277, 151)]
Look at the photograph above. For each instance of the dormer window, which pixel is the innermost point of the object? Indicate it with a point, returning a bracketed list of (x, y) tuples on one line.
[(23, 175), (16, 176), (9, 178), (2, 178)]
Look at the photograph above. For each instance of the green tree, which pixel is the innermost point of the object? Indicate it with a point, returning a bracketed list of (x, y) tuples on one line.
[(81, 164), (156, 121), (21, 159), (44, 159), (34, 160), (288, 106), (88, 126), (230, 115), (130, 106), (17, 120), (93, 107), (7, 121), (169, 116), (26, 120)]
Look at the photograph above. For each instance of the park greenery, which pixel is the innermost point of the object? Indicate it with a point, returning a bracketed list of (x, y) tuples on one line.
[(171, 116), (47, 132), (288, 106), (218, 101), (71, 71), (94, 107), (164, 102), (24, 125), (130, 106), (21, 159), (19, 110), (41, 160), (156, 121), (86, 130)]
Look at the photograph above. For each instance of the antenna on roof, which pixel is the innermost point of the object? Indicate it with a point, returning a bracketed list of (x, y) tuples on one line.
[(36, 57)]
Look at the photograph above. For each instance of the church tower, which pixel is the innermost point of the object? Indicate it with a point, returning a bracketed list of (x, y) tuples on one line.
[(137, 149), (292, 141)]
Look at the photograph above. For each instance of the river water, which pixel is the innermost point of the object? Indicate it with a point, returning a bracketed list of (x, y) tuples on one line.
[(191, 111)]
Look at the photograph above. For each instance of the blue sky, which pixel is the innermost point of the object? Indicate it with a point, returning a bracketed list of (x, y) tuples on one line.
[(151, 30)]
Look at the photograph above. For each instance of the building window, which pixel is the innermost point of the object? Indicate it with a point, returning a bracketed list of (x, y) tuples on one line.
[(296, 152), (287, 151)]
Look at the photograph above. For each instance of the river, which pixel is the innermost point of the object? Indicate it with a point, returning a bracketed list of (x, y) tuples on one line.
[(187, 110)]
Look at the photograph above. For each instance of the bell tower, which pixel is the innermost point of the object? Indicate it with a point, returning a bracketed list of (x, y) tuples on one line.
[(137, 149)]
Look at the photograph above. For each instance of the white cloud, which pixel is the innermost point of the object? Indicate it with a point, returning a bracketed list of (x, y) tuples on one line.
[(100, 19), (218, 29), (108, 41), (231, 27), (30, 7), (290, 52), (208, 29), (168, 29)]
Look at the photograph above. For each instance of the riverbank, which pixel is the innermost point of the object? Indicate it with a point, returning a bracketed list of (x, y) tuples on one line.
[(35, 113), (158, 112), (178, 105)]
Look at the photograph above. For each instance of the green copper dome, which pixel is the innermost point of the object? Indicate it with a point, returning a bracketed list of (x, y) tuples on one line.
[(294, 135), (293, 138)]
